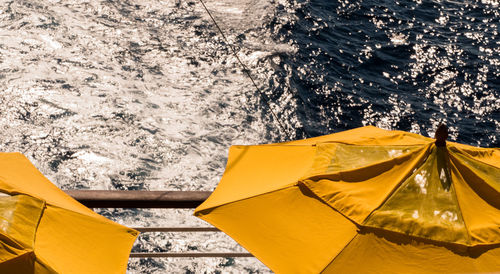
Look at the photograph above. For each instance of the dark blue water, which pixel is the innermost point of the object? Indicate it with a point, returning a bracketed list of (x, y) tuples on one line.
[(405, 65)]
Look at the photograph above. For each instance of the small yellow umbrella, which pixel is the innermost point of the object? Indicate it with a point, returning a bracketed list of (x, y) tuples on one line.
[(43, 230), (365, 200)]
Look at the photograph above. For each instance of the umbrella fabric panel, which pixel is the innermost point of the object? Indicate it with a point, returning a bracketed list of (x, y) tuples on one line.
[(19, 218), (357, 192), (417, 207), (425, 205), (71, 242), (289, 230), (371, 253), (254, 170), (332, 158), (18, 175), (24, 262), (490, 156), (69, 237), (478, 172), (479, 203), (20, 260)]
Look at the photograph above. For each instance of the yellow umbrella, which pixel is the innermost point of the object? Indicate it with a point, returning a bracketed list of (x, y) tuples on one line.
[(43, 230), (362, 201)]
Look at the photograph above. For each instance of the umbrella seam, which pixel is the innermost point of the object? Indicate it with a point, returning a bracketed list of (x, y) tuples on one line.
[(302, 182), (39, 221), (420, 164), (462, 154), (37, 257), (456, 199), (338, 254)]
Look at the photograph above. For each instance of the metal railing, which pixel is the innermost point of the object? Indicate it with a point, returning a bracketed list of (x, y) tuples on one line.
[(139, 199), (152, 199)]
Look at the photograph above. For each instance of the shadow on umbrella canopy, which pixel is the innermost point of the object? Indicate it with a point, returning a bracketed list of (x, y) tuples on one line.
[(363, 200), (43, 230)]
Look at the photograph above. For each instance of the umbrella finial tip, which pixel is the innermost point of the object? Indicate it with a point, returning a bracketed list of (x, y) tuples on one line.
[(441, 135)]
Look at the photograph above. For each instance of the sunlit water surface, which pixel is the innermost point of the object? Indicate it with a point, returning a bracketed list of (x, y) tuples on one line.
[(146, 95)]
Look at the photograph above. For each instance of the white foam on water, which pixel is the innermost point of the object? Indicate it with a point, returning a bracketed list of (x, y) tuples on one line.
[(50, 41)]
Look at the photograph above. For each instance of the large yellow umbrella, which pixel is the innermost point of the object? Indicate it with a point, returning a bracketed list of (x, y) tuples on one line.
[(43, 230), (365, 200)]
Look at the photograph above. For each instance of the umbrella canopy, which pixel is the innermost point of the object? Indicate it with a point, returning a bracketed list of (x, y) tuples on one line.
[(364, 200), (43, 230)]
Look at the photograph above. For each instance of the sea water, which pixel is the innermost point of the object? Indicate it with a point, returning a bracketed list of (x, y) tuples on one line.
[(148, 95)]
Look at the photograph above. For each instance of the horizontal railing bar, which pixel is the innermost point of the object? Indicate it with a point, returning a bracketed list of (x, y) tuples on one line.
[(176, 229), (187, 255), (139, 198)]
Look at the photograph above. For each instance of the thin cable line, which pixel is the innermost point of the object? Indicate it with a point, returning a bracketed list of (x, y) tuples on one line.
[(247, 72)]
